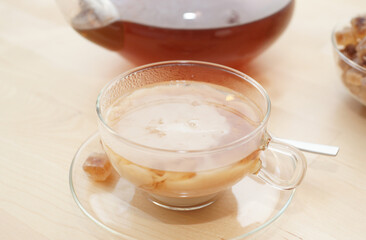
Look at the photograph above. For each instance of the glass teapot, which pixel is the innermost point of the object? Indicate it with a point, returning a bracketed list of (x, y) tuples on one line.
[(230, 32)]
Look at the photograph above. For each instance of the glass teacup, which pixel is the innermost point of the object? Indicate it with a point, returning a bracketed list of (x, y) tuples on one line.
[(185, 131)]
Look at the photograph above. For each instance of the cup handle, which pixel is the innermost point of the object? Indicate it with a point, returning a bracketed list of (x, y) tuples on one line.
[(283, 166)]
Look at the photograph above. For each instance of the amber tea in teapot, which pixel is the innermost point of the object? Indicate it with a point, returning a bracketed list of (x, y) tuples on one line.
[(227, 32)]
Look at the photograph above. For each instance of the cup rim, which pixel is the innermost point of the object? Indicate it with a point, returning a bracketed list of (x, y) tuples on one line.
[(227, 146), (351, 63)]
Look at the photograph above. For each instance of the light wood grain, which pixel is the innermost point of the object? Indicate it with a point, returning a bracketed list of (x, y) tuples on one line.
[(49, 80)]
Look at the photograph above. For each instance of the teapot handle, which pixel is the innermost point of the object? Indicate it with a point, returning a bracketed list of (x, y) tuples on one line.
[(88, 13)]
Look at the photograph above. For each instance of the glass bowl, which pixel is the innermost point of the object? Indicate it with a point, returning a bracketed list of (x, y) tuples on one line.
[(348, 51)]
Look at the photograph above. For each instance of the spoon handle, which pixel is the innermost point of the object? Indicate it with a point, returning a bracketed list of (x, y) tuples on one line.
[(312, 147)]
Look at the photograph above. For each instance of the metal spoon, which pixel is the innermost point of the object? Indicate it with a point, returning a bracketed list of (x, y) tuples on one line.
[(311, 147)]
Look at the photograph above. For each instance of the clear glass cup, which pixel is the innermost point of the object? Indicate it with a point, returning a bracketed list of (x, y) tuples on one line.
[(176, 186)]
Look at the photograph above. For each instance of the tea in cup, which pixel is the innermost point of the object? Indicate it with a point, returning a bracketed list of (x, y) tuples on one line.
[(184, 131)]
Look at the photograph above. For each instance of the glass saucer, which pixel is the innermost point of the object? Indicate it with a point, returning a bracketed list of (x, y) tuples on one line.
[(117, 206)]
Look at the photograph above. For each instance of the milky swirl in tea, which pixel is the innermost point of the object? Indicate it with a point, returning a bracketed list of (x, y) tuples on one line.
[(180, 117)]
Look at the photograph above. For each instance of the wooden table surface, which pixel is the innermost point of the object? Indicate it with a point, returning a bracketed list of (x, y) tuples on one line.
[(49, 80)]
